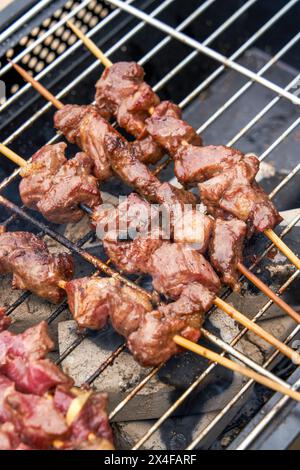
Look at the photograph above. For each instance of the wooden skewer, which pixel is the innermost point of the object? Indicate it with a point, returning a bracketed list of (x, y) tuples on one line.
[(107, 63), (248, 274), (90, 45), (234, 366), (250, 325), (40, 88)]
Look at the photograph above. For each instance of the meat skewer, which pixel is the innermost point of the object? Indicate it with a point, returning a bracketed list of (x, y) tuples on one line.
[(151, 188), (107, 63), (208, 352)]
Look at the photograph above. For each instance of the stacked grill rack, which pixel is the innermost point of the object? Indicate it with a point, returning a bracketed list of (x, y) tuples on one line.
[(129, 14)]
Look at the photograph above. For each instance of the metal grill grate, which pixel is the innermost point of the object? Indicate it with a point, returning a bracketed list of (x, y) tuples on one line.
[(44, 39)]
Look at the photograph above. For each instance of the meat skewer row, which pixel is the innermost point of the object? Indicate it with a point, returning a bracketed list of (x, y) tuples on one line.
[(166, 129), (129, 294), (39, 406), (56, 187)]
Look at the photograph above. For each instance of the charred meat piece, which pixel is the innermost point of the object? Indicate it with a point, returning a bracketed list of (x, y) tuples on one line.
[(56, 186), (226, 249), (236, 193), (73, 184), (84, 126), (132, 216), (89, 300), (174, 265), (93, 300), (37, 176), (168, 129), (194, 228), (147, 150), (152, 343), (122, 92), (27, 257), (197, 164), (132, 256)]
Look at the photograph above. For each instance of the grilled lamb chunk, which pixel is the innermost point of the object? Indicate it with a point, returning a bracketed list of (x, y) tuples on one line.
[(168, 129), (147, 150), (9, 439), (130, 217), (236, 193), (27, 413), (27, 257), (122, 92), (152, 343), (194, 228), (226, 249), (89, 300), (37, 176), (197, 164), (174, 265), (131, 257), (93, 300), (73, 184), (82, 125)]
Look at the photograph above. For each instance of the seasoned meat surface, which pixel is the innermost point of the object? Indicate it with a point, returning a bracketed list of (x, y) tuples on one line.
[(37, 176), (226, 249), (56, 186), (122, 92), (5, 321), (236, 193), (152, 343), (174, 265), (195, 228), (27, 257), (93, 300), (197, 164), (168, 129)]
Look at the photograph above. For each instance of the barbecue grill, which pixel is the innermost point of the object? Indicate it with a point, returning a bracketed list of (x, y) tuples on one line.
[(236, 75)]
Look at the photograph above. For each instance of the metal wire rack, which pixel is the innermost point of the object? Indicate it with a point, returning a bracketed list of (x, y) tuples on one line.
[(107, 12)]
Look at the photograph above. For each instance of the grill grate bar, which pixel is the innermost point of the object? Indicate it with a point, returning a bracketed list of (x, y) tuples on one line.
[(248, 85), (60, 58), (187, 40), (21, 21), (48, 33), (239, 51), (246, 387)]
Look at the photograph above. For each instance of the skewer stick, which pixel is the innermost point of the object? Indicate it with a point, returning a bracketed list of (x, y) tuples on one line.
[(234, 366), (228, 309), (12, 156), (90, 45), (248, 274), (250, 325), (283, 247), (269, 233), (269, 292), (40, 88)]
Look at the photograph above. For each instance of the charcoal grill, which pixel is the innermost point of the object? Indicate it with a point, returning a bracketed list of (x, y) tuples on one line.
[(204, 59)]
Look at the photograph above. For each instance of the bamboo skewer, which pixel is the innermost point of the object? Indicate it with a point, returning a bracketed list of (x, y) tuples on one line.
[(200, 350), (228, 309), (248, 274), (107, 63), (234, 366)]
